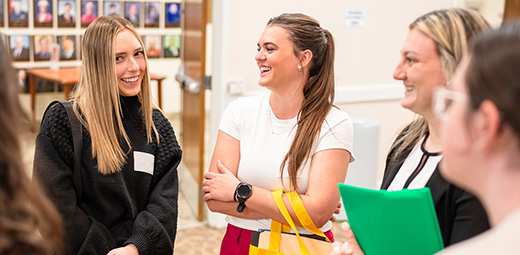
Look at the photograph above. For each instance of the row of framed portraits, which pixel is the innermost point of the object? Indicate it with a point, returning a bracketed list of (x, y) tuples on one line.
[(40, 47), (80, 13)]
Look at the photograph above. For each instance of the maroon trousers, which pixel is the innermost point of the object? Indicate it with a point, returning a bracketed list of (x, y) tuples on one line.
[(236, 241)]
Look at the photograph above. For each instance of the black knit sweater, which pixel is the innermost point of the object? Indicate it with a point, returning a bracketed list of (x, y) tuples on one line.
[(130, 206)]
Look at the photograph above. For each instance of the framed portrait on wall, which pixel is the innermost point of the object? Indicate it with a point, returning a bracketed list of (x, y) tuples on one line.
[(171, 46), (42, 13), (173, 15), (67, 47), (112, 8), (42, 47), (23, 80), (18, 11), (151, 14), (20, 46), (89, 12), (153, 44), (133, 12), (66, 13)]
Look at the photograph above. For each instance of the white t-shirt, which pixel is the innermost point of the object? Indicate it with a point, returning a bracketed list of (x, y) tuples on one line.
[(264, 142)]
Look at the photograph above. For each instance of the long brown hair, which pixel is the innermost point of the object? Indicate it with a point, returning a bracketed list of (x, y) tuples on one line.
[(97, 93), (452, 31), (493, 72), (306, 34), (29, 223)]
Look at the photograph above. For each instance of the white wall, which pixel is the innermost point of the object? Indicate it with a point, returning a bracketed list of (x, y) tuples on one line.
[(492, 10), (364, 55), (171, 92)]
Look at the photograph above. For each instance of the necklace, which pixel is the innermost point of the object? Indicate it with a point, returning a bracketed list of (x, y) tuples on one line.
[(280, 127)]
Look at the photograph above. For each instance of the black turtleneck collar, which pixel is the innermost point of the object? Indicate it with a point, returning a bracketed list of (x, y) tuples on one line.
[(130, 106)]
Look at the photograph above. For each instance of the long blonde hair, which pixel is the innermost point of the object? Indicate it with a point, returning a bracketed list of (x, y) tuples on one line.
[(97, 94), (452, 31), (318, 91), (29, 223)]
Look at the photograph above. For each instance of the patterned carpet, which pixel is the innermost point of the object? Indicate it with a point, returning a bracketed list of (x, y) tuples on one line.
[(198, 240), (206, 240)]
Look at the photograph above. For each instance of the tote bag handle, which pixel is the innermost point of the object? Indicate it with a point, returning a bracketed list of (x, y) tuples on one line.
[(301, 214)]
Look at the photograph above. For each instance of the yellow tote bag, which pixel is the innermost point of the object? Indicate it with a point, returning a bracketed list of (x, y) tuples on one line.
[(280, 241)]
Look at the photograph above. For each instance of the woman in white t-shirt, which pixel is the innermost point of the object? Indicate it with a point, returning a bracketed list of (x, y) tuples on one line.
[(292, 138)]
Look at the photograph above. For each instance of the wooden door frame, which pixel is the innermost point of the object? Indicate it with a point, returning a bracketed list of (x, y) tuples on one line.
[(511, 10), (196, 163)]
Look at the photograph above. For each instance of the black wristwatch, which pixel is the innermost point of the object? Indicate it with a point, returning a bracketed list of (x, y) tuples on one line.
[(242, 193)]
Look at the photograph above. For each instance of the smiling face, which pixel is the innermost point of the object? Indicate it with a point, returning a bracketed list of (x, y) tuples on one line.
[(420, 70), (276, 59), (130, 63)]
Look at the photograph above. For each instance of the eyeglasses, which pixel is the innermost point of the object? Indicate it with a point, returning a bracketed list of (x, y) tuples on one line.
[(443, 98)]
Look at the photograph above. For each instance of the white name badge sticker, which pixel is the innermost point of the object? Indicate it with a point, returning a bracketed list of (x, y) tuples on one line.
[(143, 162)]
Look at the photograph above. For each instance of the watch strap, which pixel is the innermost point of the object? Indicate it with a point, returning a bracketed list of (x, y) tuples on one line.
[(241, 207)]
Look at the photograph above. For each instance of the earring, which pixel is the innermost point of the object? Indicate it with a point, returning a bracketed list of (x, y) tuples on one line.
[(299, 68)]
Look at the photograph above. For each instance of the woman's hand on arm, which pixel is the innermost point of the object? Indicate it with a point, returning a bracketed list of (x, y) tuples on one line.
[(221, 185), (226, 152), (220, 181)]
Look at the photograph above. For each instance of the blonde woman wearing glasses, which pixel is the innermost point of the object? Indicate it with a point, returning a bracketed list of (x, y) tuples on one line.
[(433, 48)]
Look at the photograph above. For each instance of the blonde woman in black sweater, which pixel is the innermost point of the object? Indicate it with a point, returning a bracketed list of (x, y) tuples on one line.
[(129, 156)]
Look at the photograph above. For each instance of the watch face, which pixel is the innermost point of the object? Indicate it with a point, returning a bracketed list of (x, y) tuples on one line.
[(244, 191)]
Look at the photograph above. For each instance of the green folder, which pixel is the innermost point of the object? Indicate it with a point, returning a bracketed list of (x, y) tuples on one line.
[(392, 222)]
